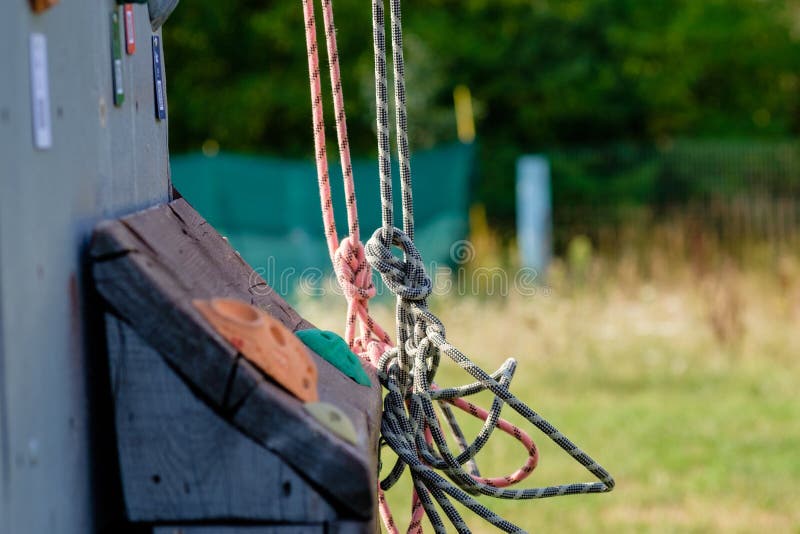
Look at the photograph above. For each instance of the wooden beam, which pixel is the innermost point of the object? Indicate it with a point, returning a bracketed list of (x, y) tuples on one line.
[(151, 265), (242, 529), (181, 461)]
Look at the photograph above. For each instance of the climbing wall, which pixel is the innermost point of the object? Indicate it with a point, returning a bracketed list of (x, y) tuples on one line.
[(56, 451)]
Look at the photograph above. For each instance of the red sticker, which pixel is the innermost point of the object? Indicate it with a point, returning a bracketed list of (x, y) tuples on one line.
[(130, 31)]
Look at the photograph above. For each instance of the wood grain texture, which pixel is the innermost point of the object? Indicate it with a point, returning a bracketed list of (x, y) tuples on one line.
[(338, 527), (352, 527), (181, 460), (149, 267), (245, 529)]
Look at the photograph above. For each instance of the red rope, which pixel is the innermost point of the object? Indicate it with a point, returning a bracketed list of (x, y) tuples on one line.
[(352, 270)]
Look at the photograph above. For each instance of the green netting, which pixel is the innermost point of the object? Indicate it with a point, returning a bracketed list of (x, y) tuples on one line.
[(269, 207)]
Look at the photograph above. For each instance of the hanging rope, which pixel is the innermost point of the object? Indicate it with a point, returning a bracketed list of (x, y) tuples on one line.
[(420, 429), (352, 271), (407, 370)]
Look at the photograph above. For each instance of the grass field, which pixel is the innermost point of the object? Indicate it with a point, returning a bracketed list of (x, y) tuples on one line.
[(684, 385)]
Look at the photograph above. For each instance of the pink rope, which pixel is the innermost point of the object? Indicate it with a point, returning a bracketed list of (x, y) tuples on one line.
[(352, 270), (350, 265)]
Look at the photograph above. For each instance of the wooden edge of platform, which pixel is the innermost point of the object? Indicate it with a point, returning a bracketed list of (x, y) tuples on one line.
[(150, 265)]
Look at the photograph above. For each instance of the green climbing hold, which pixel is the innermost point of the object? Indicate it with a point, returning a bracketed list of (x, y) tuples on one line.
[(335, 350)]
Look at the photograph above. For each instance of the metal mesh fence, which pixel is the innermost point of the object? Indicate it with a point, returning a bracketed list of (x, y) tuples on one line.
[(736, 191)]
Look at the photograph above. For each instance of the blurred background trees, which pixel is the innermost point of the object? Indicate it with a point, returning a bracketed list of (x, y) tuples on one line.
[(671, 128), (628, 76)]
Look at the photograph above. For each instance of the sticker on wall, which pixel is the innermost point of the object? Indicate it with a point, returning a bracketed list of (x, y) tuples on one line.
[(40, 93), (116, 52), (158, 80), (41, 5), (130, 30)]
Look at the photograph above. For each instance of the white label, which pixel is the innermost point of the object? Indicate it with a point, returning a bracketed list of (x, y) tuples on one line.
[(130, 35), (40, 93), (118, 76), (160, 95)]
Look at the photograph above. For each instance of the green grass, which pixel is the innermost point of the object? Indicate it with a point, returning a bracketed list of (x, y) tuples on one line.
[(700, 429)]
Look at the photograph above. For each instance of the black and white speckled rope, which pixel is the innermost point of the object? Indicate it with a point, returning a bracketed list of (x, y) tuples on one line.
[(410, 425)]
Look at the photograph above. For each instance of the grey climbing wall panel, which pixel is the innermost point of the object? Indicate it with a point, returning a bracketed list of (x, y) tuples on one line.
[(105, 161)]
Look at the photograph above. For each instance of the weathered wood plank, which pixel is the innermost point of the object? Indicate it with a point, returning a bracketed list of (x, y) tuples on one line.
[(181, 461), (353, 527), (150, 266), (245, 529), (358, 402), (327, 528)]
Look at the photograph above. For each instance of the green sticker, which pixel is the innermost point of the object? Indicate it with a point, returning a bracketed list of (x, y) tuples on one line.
[(116, 52), (335, 350)]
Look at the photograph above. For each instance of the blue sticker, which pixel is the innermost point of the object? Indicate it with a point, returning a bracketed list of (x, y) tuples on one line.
[(158, 80)]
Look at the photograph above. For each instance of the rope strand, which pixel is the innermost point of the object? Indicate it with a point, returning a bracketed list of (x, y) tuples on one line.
[(401, 116), (410, 425), (352, 271)]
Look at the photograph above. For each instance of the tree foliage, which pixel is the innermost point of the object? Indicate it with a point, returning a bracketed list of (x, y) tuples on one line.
[(544, 73)]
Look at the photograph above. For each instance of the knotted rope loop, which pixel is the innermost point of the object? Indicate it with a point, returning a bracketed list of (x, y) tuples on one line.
[(352, 270), (425, 358), (374, 350), (427, 321), (410, 424), (405, 277)]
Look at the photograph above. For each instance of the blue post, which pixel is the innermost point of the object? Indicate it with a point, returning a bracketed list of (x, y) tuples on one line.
[(534, 212)]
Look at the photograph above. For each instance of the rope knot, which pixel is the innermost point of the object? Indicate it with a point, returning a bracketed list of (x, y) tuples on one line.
[(405, 277), (435, 326), (352, 270)]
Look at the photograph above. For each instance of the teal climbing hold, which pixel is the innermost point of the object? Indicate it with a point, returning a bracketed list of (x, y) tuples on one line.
[(335, 350)]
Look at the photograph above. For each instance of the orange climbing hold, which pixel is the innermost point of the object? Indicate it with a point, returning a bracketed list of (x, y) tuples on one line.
[(41, 5), (265, 342)]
